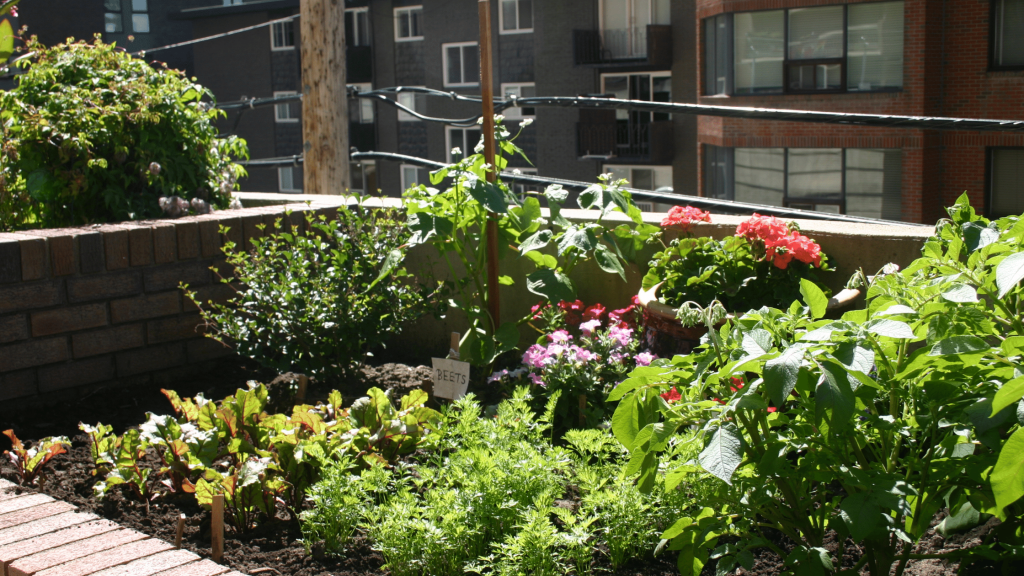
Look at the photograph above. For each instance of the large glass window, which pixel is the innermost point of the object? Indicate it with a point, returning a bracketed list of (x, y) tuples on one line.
[(827, 48), (462, 142), (408, 25), (858, 181), (289, 179), (522, 90), (357, 27), (282, 35), (360, 110), (1006, 182), (461, 64), (1008, 33), (516, 16), (286, 111), (112, 16), (140, 18)]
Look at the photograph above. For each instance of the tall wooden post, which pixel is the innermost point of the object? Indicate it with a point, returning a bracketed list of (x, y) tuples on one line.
[(487, 95), (324, 101)]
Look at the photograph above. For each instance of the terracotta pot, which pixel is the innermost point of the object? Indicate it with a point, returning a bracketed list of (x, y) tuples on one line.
[(665, 336)]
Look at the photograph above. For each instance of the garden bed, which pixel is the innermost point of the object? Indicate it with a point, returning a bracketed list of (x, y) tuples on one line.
[(277, 545)]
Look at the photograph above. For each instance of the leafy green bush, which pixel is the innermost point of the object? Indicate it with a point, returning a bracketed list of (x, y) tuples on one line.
[(867, 426), (317, 302), (92, 134)]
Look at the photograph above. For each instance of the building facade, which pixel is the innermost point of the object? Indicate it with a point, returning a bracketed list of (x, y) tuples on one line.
[(955, 58)]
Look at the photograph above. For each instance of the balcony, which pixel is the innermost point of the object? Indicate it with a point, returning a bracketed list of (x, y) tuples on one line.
[(362, 136), (637, 46), (359, 62), (622, 141)]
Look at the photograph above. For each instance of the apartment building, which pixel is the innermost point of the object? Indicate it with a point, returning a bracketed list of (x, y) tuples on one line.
[(959, 58), (626, 48)]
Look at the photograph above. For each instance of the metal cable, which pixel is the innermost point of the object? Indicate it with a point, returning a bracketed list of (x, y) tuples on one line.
[(215, 36)]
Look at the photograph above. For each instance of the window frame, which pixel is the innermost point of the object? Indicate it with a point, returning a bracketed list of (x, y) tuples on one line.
[(369, 30), (397, 12), (515, 112), (444, 64), (273, 38), (362, 104), (787, 61), (464, 145), (729, 74), (280, 181), (993, 34), (990, 159), (401, 174), (501, 19), (404, 116), (277, 108)]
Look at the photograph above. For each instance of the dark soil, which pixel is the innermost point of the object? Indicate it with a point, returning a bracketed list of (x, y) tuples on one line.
[(276, 545)]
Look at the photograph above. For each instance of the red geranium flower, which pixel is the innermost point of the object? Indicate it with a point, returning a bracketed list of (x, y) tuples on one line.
[(672, 395), (594, 312), (683, 218), (573, 312)]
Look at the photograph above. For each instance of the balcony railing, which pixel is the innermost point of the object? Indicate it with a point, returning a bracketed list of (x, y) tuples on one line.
[(638, 45), (359, 61), (636, 142)]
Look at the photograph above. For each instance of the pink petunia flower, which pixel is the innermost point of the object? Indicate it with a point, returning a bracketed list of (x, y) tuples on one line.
[(644, 358)]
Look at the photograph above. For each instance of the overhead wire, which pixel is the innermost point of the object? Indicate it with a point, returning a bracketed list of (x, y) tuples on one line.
[(215, 36)]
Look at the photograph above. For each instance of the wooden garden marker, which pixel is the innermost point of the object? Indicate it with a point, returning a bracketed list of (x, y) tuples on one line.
[(217, 528), (181, 531), (451, 377)]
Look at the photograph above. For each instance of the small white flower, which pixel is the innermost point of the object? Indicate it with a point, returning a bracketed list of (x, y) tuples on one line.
[(479, 147), (526, 123), (517, 171), (456, 151), (498, 118), (480, 120), (504, 134), (486, 166)]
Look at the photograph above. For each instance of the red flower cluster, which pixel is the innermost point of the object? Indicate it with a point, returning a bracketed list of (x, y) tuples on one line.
[(573, 312), (736, 384), (672, 395), (780, 244), (625, 317), (683, 218)]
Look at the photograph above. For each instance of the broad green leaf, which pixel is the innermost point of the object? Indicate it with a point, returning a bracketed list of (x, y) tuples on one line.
[(506, 280), (723, 453), (834, 395), (609, 262), (625, 422), (579, 237), (897, 309), (757, 342), (507, 336), (814, 298), (555, 193), (855, 356), (977, 236), (1013, 345), (860, 515), (6, 40), (983, 417), (958, 345), (537, 241), (780, 374), (965, 519), (1007, 479), (490, 196), (1009, 394), (542, 260), (1009, 273), (961, 293), (551, 284), (890, 328)]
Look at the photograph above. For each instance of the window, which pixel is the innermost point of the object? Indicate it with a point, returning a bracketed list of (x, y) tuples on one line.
[(289, 179), (360, 110), (654, 87), (414, 101), (827, 48), (410, 176), (516, 16), (1006, 182), (1008, 34), (363, 177), (357, 27), (465, 139), (282, 35), (519, 91), (624, 25), (461, 64), (642, 177), (408, 23), (858, 181), (286, 112), (140, 18), (112, 16)]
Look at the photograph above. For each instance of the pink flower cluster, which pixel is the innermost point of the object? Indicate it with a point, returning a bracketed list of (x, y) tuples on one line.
[(780, 244), (684, 218)]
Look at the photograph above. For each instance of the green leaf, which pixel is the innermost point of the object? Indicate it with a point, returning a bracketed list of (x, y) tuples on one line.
[(781, 374), (1009, 273), (890, 328), (958, 345), (507, 336), (834, 395), (537, 241), (1007, 479), (861, 515), (542, 260), (6, 40), (580, 237), (977, 237), (551, 284), (1010, 393), (757, 342), (609, 262), (723, 453), (490, 196), (814, 298), (555, 193), (394, 259), (625, 422), (961, 293), (965, 519), (896, 309)]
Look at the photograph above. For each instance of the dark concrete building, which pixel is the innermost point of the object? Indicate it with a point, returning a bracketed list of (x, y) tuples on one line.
[(629, 48)]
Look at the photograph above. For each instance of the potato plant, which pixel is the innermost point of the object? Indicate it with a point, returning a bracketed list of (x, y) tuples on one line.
[(867, 425), (255, 459)]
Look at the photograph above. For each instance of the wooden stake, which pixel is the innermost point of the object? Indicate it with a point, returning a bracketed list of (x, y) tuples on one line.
[(324, 101), (453, 350), (300, 394), (487, 95), (181, 531), (583, 406), (217, 528)]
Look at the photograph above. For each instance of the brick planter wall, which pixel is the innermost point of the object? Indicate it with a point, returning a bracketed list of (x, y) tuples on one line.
[(101, 304)]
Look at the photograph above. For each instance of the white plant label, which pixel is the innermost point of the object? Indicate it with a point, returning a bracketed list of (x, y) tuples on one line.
[(451, 378)]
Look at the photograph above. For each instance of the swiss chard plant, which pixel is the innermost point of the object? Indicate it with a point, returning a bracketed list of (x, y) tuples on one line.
[(31, 463), (866, 426), (454, 222)]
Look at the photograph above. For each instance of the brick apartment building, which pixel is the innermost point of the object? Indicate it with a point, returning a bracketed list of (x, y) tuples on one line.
[(636, 48), (960, 58)]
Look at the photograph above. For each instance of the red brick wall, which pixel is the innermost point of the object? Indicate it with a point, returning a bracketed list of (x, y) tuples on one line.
[(946, 73), (84, 306)]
